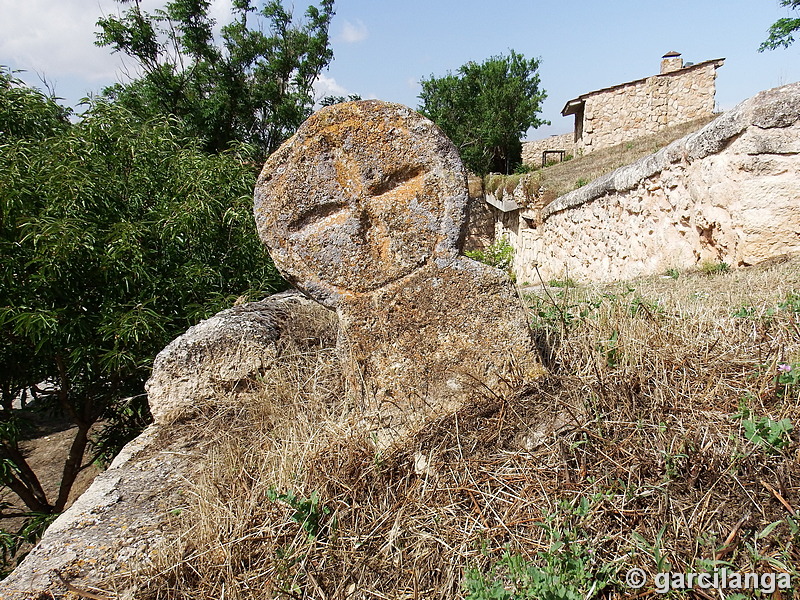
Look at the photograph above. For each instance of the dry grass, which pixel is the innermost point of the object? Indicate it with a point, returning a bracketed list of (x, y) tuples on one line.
[(564, 177), (629, 450)]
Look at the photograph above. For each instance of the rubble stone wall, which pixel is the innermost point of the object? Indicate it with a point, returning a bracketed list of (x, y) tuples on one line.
[(532, 151), (727, 193), (646, 107)]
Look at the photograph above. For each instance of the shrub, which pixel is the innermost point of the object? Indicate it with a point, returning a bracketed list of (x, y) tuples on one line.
[(499, 254)]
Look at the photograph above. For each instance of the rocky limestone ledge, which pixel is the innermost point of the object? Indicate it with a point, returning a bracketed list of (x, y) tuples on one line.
[(220, 353), (364, 210), (117, 523), (776, 108), (114, 525)]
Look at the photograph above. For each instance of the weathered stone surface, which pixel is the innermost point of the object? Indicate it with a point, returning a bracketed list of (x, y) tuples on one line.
[(217, 354), (363, 194), (363, 209), (480, 226), (728, 192), (117, 524), (429, 342)]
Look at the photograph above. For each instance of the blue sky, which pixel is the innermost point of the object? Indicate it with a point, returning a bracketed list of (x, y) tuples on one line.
[(383, 47)]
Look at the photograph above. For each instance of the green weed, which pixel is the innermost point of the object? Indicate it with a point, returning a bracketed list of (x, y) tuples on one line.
[(581, 182), (308, 512), (567, 570), (499, 254), (714, 268), (764, 432)]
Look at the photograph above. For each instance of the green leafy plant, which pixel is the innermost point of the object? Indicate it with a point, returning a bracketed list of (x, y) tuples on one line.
[(308, 512), (562, 283), (31, 530), (523, 168), (567, 570), (781, 33), (115, 236), (582, 181), (764, 432), (673, 273), (744, 312), (610, 349), (499, 254), (654, 550), (792, 302), (485, 108), (252, 82), (787, 381), (714, 268)]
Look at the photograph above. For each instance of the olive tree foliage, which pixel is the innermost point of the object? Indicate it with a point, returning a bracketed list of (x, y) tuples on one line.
[(485, 109), (115, 236), (780, 32), (254, 84)]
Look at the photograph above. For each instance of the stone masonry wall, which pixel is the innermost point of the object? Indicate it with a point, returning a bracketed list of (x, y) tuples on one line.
[(729, 192), (642, 108), (532, 151)]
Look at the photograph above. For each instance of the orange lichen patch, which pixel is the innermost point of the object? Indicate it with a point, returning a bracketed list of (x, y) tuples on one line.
[(348, 176)]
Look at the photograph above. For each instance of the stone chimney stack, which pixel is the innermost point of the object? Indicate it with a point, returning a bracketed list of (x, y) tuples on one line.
[(670, 62)]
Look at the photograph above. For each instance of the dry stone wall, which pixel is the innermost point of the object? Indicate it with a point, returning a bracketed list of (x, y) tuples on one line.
[(729, 192), (532, 151), (647, 106)]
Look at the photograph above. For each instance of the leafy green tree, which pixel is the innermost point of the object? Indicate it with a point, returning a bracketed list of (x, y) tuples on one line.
[(26, 112), (485, 109), (115, 236), (331, 100), (252, 85), (780, 33)]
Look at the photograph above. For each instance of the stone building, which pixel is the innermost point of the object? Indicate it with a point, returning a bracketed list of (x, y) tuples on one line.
[(610, 116)]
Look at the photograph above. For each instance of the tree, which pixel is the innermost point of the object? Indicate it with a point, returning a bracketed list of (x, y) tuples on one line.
[(485, 108), (331, 100), (249, 86), (780, 33), (115, 236)]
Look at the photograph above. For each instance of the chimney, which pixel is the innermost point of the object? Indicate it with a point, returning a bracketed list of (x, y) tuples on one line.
[(670, 62)]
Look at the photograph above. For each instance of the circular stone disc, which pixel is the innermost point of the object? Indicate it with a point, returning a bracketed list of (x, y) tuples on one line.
[(364, 193)]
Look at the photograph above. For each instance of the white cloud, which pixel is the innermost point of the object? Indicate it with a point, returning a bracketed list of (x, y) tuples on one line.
[(57, 39), (354, 32), (220, 11), (327, 86)]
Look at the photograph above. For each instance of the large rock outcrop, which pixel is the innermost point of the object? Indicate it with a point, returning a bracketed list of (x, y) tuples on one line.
[(220, 354), (364, 209), (119, 521)]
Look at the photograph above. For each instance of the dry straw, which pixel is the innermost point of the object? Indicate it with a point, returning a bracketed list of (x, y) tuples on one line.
[(636, 450)]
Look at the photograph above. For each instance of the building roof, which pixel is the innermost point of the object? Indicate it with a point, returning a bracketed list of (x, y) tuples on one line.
[(572, 106)]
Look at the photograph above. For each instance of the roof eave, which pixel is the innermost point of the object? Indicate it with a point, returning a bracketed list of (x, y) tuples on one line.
[(571, 107)]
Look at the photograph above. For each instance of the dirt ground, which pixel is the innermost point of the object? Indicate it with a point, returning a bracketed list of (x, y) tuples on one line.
[(46, 452)]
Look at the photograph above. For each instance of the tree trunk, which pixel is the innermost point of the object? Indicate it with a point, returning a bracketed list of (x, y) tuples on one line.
[(24, 483), (72, 466)]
